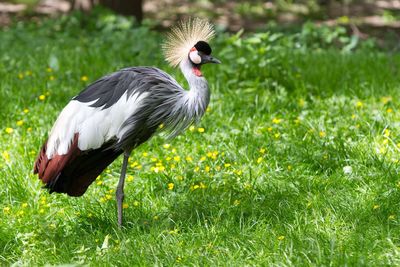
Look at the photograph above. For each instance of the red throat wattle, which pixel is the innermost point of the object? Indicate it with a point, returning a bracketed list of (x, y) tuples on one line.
[(196, 71)]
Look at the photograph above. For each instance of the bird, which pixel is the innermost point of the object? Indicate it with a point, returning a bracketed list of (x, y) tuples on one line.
[(122, 110)]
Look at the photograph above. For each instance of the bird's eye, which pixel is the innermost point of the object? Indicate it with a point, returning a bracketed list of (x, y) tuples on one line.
[(195, 57)]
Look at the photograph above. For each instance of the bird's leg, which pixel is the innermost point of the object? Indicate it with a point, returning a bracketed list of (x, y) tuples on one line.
[(120, 188)]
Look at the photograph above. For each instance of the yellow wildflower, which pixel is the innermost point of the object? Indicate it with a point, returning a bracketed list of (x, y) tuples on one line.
[(20, 122), (24, 205), (161, 126), (322, 134), (145, 154), (129, 178), (28, 73), (281, 237), (166, 146), (189, 158), (171, 186), (26, 110), (391, 217), (359, 104), (51, 78), (227, 165), (262, 150), (20, 76), (207, 168), (125, 205), (136, 203), (276, 121), (236, 202), (9, 130), (42, 97), (6, 156), (259, 160), (200, 130), (203, 158), (177, 158), (49, 69), (389, 110), (277, 135), (6, 209), (376, 207), (84, 78), (192, 128), (108, 197), (386, 133)]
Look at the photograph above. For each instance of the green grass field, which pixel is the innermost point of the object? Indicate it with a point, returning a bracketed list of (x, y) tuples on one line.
[(296, 162)]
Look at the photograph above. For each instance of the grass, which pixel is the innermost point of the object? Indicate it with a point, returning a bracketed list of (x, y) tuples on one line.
[(298, 163)]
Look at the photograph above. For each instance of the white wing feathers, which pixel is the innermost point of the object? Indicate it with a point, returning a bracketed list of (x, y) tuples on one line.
[(94, 125)]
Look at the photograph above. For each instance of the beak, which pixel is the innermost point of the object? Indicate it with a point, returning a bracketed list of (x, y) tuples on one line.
[(209, 59)]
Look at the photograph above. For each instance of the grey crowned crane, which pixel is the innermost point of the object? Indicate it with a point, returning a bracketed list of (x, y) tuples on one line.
[(120, 111)]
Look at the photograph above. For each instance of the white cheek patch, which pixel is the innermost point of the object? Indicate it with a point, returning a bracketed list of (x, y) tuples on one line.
[(194, 57)]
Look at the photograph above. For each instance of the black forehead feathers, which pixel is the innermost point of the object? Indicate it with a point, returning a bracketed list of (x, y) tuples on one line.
[(203, 47)]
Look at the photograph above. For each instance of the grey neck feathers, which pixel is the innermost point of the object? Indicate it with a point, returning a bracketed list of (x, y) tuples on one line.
[(198, 95), (190, 105)]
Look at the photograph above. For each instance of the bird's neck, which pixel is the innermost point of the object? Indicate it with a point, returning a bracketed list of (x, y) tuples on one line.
[(198, 95)]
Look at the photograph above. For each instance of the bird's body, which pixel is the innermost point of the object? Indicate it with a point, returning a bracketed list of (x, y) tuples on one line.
[(117, 113)]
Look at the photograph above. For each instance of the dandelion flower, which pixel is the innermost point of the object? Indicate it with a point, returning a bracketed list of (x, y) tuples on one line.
[(125, 205), (276, 121), (20, 123), (322, 134), (281, 237), (262, 150), (259, 160), (42, 97), (84, 78), (9, 130), (389, 110), (166, 146), (26, 110), (171, 186), (200, 130), (359, 104), (6, 156)]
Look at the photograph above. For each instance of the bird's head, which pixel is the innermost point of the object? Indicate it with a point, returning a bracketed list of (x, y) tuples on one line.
[(188, 43)]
